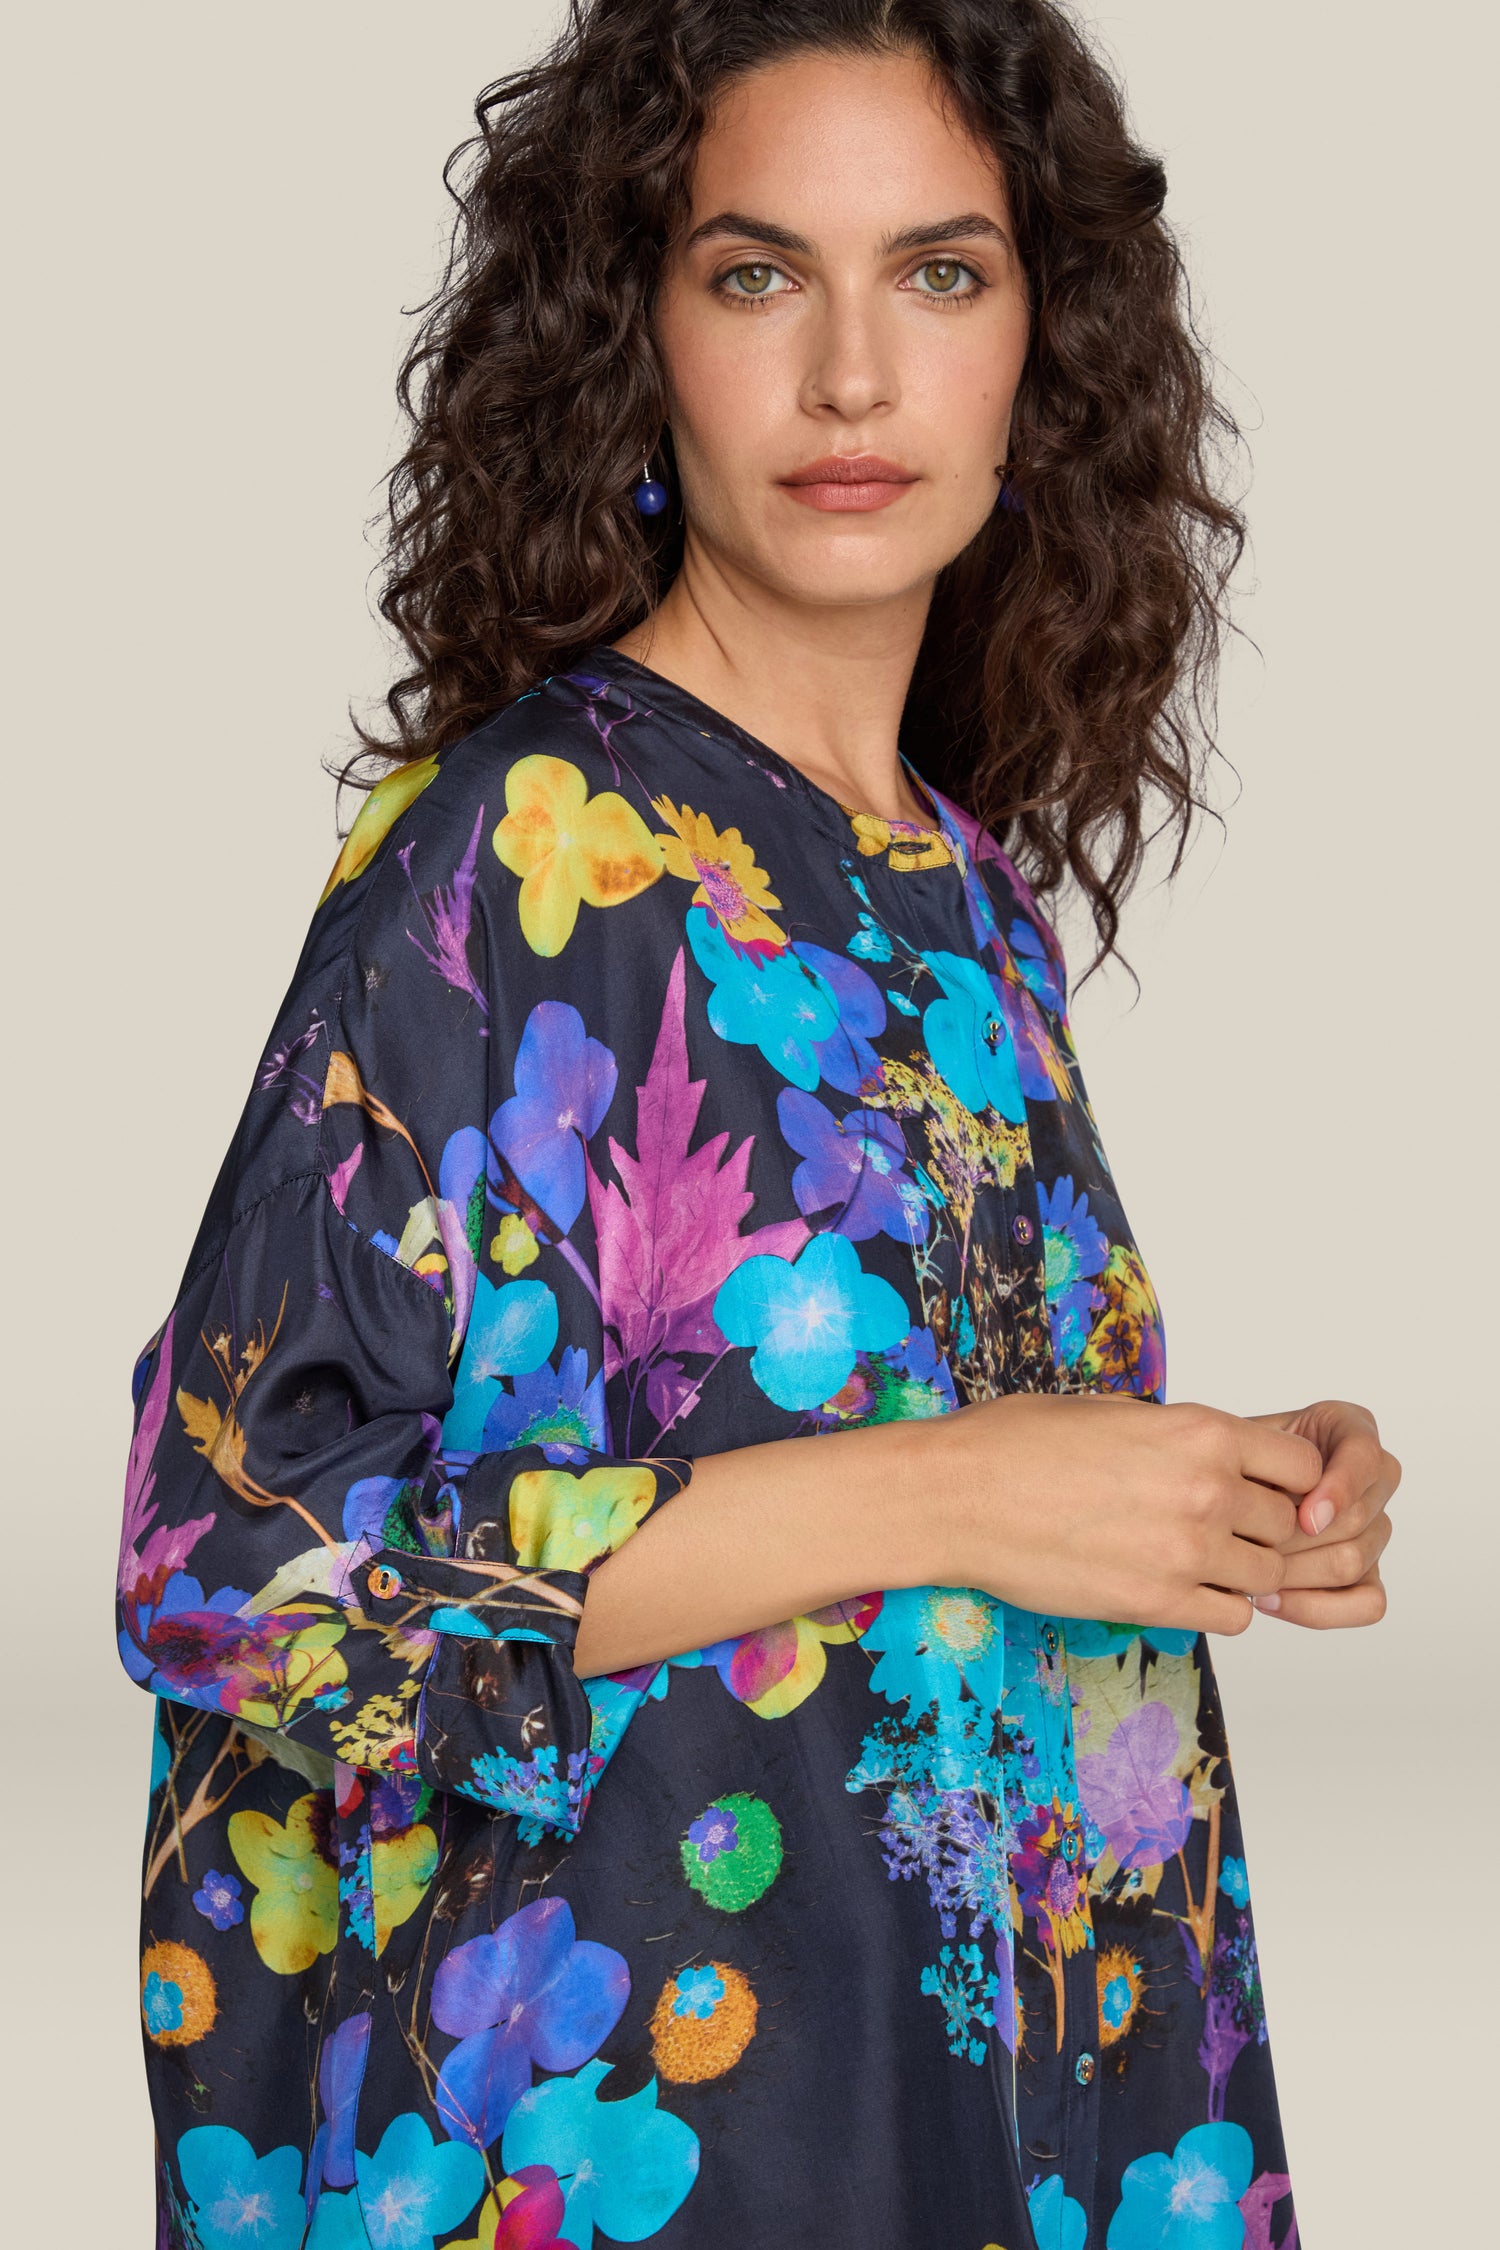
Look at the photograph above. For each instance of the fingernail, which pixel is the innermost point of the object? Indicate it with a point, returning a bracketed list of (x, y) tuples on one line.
[(1268, 1601), (1322, 1515)]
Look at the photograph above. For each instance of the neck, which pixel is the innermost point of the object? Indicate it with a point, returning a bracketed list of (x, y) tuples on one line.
[(823, 686)]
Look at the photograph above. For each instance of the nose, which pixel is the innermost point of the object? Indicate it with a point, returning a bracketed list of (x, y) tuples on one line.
[(850, 368)]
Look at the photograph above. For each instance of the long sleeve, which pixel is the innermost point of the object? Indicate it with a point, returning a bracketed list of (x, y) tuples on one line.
[(369, 1477)]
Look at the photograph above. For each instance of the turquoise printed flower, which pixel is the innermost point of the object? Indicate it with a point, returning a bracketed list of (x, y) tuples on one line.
[(934, 1641), (779, 1004), (1058, 2220), (808, 1321), (626, 2165), (337, 2224), (1188, 2200), (1094, 1636), (969, 1040), (699, 1991), (412, 2189), (241, 2201), (1234, 1881), (161, 2005), (512, 1331), (1115, 2002)]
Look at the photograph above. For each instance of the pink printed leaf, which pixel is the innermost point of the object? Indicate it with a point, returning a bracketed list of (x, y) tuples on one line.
[(1130, 1790), (140, 1479), (668, 1233)]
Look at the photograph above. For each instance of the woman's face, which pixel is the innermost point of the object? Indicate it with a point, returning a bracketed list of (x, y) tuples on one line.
[(846, 284)]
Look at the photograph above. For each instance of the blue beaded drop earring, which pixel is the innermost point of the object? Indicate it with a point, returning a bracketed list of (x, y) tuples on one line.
[(1010, 498), (649, 496)]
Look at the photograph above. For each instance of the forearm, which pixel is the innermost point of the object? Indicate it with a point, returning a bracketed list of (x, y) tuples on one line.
[(767, 1532)]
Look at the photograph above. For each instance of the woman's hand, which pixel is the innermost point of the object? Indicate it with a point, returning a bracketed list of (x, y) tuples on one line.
[(1103, 1506), (1333, 1558)]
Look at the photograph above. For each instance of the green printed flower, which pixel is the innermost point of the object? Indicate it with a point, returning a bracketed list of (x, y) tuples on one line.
[(732, 1853)]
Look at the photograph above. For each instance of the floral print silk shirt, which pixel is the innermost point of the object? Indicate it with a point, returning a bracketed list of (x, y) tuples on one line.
[(634, 1100)]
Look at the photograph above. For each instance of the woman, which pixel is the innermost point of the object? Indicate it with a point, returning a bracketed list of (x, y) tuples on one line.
[(580, 1804)]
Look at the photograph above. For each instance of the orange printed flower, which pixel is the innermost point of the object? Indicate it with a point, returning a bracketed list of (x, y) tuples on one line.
[(179, 2001), (568, 847), (723, 867)]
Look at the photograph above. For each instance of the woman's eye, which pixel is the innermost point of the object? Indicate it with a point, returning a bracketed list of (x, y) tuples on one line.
[(941, 277), (752, 280)]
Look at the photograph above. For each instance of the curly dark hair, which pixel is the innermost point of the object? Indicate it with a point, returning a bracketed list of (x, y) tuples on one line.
[(1065, 687)]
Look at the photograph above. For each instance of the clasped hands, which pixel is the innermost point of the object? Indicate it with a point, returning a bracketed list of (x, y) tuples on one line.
[(1333, 1558), (1104, 1505)]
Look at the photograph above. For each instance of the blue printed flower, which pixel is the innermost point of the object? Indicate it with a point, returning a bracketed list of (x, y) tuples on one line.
[(934, 1641), (161, 2004), (218, 1899), (969, 1040), (846, 1058), (1095, 1636), (1038, 969), (188, 1625), (853, 1165), (626, 2165), (1188, 2200), (1076, 1249), (870, 942), (1058, 2220), (717, 1830), (808, 1321), (1115, 2002), (512, 1331), (341, 2071), (778, 1004), (413, 2188), (557, 1408), (337, 2225), (699, 1991), (241, 2201), (530, 1992), (565, 1081), (1234, 1881)]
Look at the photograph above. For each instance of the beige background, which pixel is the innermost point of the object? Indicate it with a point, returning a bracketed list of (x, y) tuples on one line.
[(217, 214)]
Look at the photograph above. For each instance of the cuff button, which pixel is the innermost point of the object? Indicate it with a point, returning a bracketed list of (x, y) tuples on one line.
[(383, 1582)]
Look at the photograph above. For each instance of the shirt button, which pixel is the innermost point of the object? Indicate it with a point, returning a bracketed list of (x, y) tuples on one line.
[(384, 1582), (1049, 1636), (1083, 2069)]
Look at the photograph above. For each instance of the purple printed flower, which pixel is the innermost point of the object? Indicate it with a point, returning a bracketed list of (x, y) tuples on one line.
[(853, 1165), (846, 1059), (565, 1082), (714, 1832), (341, 2070), (448, 914), (218, 1900), (530, 1993)]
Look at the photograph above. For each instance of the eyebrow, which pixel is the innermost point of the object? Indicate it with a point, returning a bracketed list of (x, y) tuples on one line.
[(968, 224)]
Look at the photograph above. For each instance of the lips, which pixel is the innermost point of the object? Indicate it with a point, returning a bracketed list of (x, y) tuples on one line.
[(848, 483), (851, 468)]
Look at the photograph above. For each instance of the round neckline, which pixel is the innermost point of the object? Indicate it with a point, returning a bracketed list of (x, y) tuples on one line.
[(671, 700)]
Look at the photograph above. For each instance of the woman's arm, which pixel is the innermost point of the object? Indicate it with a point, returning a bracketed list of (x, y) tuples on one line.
[(1094, 1506)]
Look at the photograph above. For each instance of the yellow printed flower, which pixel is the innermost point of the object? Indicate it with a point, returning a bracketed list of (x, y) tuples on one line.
[(1120, 1981), (401, 1867), (179, 2000), (722, 865), (378, 814), (295, 1916), (560, 1521), (567, 846), (515, 1246)]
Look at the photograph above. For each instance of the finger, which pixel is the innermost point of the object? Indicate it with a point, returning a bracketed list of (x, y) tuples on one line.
[(1279, 1457), (1353, 1470), (1252, 1569), (1261, 1514), (1338, 1562), (1324, 1609)]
